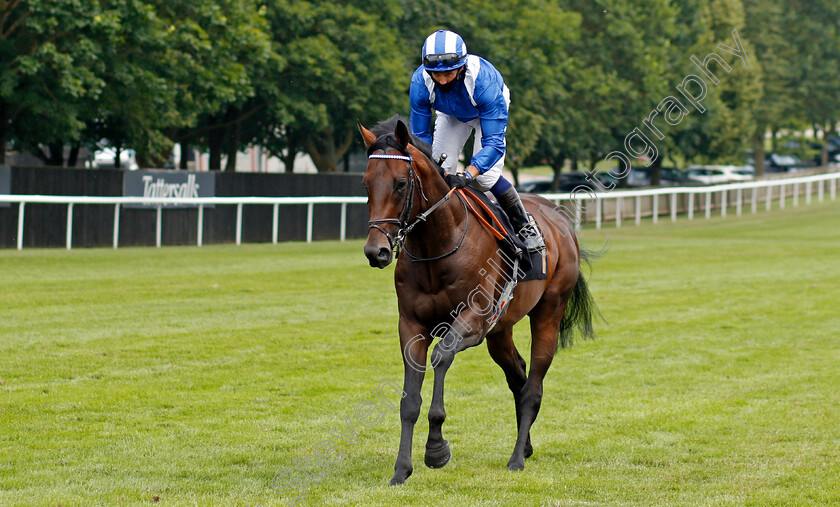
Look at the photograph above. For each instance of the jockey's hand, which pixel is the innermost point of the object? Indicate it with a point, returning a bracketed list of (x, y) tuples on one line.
[(458, 180)]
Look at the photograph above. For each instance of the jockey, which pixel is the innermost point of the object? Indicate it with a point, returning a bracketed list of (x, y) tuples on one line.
[(468, 94)]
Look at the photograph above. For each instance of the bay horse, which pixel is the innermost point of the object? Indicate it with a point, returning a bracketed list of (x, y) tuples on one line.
[(443, 282)]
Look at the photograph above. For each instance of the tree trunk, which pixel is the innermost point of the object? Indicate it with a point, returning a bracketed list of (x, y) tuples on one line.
[(655, 172), (73, 158), (514, 172), (117, 152), (557, 167), (758, 150), (773, 143), (824, 158), (233, 140), (4, 131), (289, 158), (185, 149), (56, 154), (214, 143), (324, 151)]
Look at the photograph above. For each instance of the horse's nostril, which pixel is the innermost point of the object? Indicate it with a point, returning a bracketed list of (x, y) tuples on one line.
[(384, 254)]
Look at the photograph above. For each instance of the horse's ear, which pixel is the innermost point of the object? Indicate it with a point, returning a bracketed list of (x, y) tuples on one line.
[(415, 153), (401, 132), (367, 135)]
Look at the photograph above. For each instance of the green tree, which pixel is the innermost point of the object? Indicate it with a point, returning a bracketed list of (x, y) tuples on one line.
[(767, 31), (50, 69), (721, 131), (814, 32), (342, 63)]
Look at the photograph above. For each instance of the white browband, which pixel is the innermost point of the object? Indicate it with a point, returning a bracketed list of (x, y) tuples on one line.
[(395, 157)]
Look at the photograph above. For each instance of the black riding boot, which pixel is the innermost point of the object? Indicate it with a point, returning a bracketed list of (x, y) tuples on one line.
[(512, 205)]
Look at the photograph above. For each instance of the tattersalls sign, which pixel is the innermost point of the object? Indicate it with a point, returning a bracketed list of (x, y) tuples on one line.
[(168, 185)]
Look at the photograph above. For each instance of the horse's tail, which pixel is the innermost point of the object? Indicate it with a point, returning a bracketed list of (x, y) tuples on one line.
[(580, 308)]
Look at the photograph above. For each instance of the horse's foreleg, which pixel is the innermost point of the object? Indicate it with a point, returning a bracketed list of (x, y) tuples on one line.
[(415, 346), (457, 339), (504, 353), (437, 449)]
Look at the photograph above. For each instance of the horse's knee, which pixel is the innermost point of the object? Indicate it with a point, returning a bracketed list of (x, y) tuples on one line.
[(531, 396), (442, 358), (410, 409)]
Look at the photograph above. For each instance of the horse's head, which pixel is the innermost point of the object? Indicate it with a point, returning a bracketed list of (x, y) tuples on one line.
[(390, 181)]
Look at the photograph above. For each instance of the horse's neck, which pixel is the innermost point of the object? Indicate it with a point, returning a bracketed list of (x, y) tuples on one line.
[(443, 229)]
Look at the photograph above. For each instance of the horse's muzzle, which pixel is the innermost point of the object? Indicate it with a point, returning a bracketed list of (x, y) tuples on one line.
[(378, 255)]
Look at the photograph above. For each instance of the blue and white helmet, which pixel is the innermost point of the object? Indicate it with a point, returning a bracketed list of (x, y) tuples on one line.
[(444, 50)]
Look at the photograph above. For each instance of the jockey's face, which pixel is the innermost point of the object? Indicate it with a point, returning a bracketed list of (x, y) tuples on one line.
[(445, 77)]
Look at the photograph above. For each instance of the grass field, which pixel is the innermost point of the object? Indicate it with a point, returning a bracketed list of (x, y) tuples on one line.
[(193, 376)]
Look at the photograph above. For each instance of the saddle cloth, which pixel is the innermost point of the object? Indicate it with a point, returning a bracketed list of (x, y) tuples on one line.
[(533, 264)]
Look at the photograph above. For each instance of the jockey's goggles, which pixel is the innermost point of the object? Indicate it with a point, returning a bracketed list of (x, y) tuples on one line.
[(442, 60)]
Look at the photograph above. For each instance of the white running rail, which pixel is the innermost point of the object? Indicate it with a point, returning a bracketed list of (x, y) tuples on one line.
[(772, 189)]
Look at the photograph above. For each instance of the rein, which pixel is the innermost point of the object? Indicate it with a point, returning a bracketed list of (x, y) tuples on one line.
[(398, 242)]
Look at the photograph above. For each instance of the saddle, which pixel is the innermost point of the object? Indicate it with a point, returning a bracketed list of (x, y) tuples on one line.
[(534, 265)]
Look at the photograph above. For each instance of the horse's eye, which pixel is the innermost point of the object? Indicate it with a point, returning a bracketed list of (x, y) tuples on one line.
[(400, 185)]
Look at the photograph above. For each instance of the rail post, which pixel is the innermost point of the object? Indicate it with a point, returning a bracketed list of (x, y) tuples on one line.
[(275, 222), (158, 227), (673, 207), (708, 204), (239, 224), (638, 209), (69, 235), (116, 225), (310, 212), (655, 208), (618, 211), (199, 233), (343, 232), (691, 205), (21, 207)]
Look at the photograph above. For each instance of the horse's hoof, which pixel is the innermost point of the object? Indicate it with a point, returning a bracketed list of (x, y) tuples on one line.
[(399, 478), (515, 465), (529, 450), (438, 457)]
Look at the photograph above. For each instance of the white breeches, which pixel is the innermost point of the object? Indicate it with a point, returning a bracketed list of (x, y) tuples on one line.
[(450, 136)]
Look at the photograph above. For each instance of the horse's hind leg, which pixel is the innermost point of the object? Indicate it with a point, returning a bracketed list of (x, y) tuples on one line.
[(545, 324), (503, 351)]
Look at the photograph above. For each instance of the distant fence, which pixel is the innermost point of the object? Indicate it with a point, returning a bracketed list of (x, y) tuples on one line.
[(621, 205), (597, 207), (92, 225)]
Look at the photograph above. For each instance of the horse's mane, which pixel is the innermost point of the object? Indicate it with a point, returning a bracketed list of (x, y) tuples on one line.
[(385, 138)]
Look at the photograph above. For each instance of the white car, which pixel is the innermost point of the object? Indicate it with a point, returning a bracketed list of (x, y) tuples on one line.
[(106, 157), (718, 173)]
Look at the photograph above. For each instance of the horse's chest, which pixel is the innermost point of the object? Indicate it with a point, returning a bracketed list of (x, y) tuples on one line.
[(429, 307)]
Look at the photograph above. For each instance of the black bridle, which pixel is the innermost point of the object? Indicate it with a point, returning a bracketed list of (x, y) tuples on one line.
[(397, 242)]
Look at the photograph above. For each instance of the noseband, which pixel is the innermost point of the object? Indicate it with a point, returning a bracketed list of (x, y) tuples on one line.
[(397, 242)]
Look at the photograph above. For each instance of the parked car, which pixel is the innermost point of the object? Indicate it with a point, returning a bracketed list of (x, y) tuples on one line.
[(106, 158), (776, 163), (568, 183), (717, 173)]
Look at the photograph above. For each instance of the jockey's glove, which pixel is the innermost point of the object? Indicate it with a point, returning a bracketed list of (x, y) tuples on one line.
[(458, 180)]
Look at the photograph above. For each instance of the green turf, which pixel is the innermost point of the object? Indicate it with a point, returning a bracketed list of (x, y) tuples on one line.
[(195, 375)]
